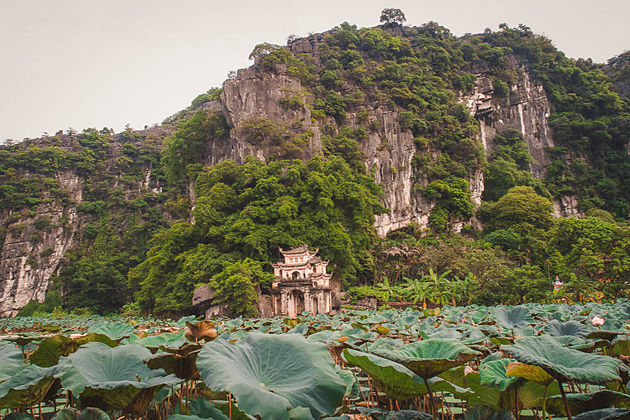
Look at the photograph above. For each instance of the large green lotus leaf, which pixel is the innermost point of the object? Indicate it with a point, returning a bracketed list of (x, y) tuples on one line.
[(581, 403), (89, 413), (572, 328), (428, 358), (493, 374), (271, 374), (512, 318), (396, 380), (113, 378), (27, 387), (114, 330), (562, 363), (51, 349), (604, 414), (167, 340), (11, 360)]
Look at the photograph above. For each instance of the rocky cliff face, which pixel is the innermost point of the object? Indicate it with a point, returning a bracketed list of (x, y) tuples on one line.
[(31, 253), (33, 243), (388, 152), (526, 110)]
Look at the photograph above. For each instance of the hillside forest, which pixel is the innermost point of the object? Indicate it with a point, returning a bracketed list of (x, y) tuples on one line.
[(153, 214)]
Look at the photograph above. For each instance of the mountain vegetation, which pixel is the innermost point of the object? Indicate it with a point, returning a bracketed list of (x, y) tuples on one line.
[(157, 220)]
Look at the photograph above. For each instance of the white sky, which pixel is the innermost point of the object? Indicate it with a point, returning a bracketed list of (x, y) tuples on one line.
[(106, 63)]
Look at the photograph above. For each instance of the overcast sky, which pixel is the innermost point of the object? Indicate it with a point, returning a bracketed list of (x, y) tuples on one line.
[(108, 63)]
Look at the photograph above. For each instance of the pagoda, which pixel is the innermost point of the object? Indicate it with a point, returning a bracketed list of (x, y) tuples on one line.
[(301, 283)]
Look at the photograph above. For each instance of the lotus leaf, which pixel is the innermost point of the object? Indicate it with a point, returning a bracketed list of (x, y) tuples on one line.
[(396, 380), (512, 318), (325, 337), (428, 358), (621, 347), (271, 374), (182, 366), (51, 349), (28, 386), (529, 372), (493, 373), (202, 330), (11, 360), (114, 330), (581, 403), (572, 328), (604, 414), (605, 334), (89, 413), (562, 363), (169, 340), (352, 384), (113, 378), (300, 413)]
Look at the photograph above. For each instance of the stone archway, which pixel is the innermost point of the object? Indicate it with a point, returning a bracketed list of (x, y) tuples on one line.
[(314, 305), (296, 304), (277, 306)]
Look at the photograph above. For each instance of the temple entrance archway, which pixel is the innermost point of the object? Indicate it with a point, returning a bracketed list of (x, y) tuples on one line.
[(315, 306), (296, 303)]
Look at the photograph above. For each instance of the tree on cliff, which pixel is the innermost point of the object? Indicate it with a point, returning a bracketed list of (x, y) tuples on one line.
[(392, 16)]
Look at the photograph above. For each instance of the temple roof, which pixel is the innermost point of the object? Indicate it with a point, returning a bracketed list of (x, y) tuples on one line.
[(298, 250)]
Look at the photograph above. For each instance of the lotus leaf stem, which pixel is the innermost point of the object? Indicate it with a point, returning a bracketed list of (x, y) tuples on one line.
[(431, 400), (566, 403)]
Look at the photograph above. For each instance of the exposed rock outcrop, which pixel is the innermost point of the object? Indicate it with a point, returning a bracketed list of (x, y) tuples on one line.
[(33, 248), (526, 110), (388, 153), (36, 240)]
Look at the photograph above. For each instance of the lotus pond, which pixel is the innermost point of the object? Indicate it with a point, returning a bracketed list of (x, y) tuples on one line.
[(524, 362)]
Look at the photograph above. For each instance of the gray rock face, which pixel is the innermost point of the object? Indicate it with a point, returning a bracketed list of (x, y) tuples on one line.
[(252, 97), (388, 152), (29, 256), (527, 111)]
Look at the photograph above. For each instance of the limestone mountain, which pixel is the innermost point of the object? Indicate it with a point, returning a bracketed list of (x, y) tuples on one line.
[(430, 128)]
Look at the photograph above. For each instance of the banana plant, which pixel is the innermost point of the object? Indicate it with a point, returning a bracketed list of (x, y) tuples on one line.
[(415, 290), (437, 286)]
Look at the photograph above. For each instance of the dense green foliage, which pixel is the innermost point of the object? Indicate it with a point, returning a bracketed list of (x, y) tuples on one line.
[(223, 224), (249, 211), (119, 217)]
